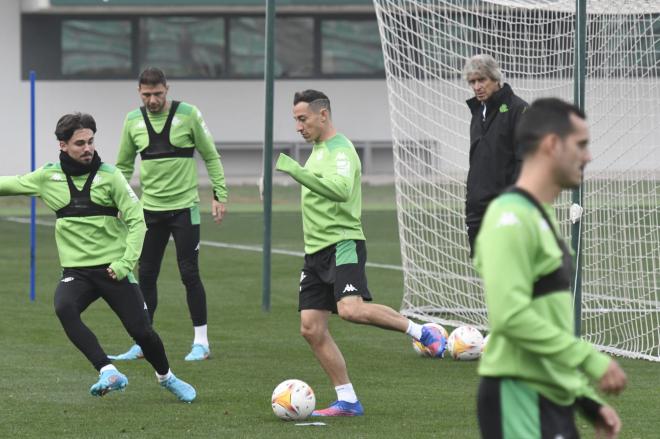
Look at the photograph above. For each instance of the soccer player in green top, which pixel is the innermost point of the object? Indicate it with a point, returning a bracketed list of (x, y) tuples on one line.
[(333, 277), (534, 370), (97, 249), (166, 134)]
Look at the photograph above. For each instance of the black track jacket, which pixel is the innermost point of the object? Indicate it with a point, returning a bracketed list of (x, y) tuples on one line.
[(494, 159)]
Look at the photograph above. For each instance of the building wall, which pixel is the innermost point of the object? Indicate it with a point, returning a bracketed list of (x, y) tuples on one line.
[(234, 110)]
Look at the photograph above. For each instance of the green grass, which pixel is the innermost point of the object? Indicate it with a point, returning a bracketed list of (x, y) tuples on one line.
[(44, 380)]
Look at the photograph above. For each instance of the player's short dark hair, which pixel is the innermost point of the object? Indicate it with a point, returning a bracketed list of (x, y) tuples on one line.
[(152, 76), (317, 100), (69, 123), (545, 116)]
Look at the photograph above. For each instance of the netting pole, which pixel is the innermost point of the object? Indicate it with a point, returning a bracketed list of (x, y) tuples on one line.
[(33, 204), (578, 99), (268, 154)]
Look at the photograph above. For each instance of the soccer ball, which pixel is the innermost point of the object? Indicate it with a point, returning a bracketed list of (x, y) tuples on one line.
[(483, 348), (422, 350), (293, 400), (465, 343)]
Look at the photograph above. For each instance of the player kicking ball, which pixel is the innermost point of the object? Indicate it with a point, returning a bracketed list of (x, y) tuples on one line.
[(333, 278), (97, 250)]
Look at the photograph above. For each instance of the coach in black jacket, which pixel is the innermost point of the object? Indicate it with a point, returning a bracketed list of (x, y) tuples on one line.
[(494, 158)]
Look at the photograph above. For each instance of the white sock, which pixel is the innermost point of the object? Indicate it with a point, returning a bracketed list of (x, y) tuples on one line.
[(200, 336), (165, 377), (414, 329), (346, 393), (108, 367)]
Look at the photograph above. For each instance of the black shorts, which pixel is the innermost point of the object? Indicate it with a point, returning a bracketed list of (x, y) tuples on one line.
[(332, 273), (508, 408)]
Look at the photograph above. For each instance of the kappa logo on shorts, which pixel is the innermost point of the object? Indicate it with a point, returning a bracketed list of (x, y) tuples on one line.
[(302, 277), (349, 288), (67, 279)]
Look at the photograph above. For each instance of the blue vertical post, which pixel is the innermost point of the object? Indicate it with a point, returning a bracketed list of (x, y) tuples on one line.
[(33, 204)]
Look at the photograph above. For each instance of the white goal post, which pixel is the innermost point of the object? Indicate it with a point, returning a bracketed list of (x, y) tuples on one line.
[(425, 45)]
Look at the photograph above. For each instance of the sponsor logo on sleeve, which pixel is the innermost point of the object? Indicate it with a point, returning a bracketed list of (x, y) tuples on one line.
[(343, 165), (131, 194), (508, 219), (203, 123)]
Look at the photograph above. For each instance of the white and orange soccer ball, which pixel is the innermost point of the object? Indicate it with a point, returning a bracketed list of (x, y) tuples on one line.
[(486, 338), (422, 350), (465, 343), (293, 400)]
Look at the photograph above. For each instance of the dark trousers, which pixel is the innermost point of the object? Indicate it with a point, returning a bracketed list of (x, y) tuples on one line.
[(160, 226), (79, 288), (472, 231), (509, 409)]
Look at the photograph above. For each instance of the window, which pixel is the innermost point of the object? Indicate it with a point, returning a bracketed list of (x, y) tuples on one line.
[(93, 48), (351, 47), (184, 47), (199, 46), (294, 43)]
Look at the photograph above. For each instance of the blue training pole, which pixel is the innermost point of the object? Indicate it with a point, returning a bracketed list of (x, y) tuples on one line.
[(33, 204)]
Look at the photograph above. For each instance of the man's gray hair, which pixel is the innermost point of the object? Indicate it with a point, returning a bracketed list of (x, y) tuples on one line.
[(484, 66)]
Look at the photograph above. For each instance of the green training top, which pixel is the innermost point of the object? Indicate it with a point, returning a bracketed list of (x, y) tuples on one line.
[(531, 338), (91, 240), (331, 196), (171, 183)]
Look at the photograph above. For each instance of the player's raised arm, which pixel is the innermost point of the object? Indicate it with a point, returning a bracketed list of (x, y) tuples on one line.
[(335, 185), (27, 184)]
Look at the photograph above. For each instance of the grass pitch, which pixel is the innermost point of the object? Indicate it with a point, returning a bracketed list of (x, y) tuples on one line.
[(44, 380)]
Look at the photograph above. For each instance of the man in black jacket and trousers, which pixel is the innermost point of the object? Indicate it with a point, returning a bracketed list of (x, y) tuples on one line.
[(495, 159)]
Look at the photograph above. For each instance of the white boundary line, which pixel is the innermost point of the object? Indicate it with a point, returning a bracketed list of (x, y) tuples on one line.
[(243, 247)]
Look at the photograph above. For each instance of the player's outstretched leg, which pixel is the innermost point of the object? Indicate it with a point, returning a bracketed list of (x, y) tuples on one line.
[(181, 389), (134, 353), (341, 408), (109, 379)]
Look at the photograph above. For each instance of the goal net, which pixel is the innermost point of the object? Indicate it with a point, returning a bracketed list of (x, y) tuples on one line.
[(425, 45)]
